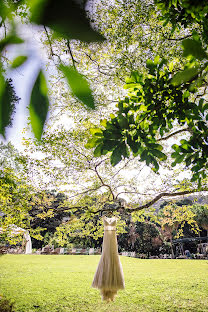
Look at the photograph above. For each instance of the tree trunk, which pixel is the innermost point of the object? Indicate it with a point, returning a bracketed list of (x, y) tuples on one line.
[(172, 251)]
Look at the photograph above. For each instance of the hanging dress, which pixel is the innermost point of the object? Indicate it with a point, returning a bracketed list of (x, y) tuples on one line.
[(109, 274)]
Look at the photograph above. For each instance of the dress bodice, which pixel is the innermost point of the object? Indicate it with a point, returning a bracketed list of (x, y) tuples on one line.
[(109, 224)]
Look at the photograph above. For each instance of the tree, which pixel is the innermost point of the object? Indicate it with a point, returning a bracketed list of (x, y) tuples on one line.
[(173, 219), (158, 107), (148, 115), (141, 20), (15, 205), (17, 195), (201, 215)]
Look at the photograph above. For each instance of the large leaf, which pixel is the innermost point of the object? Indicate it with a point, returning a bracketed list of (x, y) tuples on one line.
[(8, 101), (116, 156), (39, 104), (160, 155), (5, 106), (78, 85), (93, 142), (185, 75), (10, 39), (109, 145), (66, 17), (18, 61), (98, 150), (134, 145), (118, 152), (194, 48)]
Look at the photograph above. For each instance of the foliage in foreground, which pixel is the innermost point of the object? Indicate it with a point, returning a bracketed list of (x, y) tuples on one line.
[(67, 21)]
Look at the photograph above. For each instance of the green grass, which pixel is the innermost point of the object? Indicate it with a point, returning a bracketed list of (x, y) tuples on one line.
[(63, 283)]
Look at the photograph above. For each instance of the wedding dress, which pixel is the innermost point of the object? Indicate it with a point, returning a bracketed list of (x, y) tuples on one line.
[(109, 274)]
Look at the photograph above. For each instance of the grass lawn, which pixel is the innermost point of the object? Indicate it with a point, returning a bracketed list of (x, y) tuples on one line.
[(63, 283)]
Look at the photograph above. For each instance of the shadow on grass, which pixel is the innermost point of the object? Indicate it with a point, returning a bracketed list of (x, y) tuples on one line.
[(6, 305)]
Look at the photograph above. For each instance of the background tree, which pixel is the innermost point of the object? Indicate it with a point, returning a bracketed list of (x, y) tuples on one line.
[(201, 215), (173, 219)]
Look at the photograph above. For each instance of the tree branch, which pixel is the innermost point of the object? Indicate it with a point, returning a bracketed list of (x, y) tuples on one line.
[(87, 191), (50, 44), (164, 194), (103, 183), (131, 192), (98, 66), (130, 210), (174, 133), (177, 39), (70, 52)]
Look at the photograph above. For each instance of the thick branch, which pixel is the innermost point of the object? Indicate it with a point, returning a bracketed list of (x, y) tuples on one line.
[(174, 133), (70, 208), (164, 194), (177, 39), (130, 210)]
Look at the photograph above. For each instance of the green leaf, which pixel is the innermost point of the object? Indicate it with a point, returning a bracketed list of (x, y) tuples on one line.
[(179, 158), (156, 165), (143, 155), (39, 104), (78, 85), (135, 146), (173, 164), (96, 131), (157, 60), (194, 177), (10, 39), (154, 146), (188, 160), (92, 142), (109, 145), (112, 134), (116, 156), (98, 150), (171, 66), (194, 48), (151, 66), (158, 154), (67, 18), (185, 75), (123, 122), (6, 108), (103, 122), (18, 61), (118, 152), (175, 147)]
